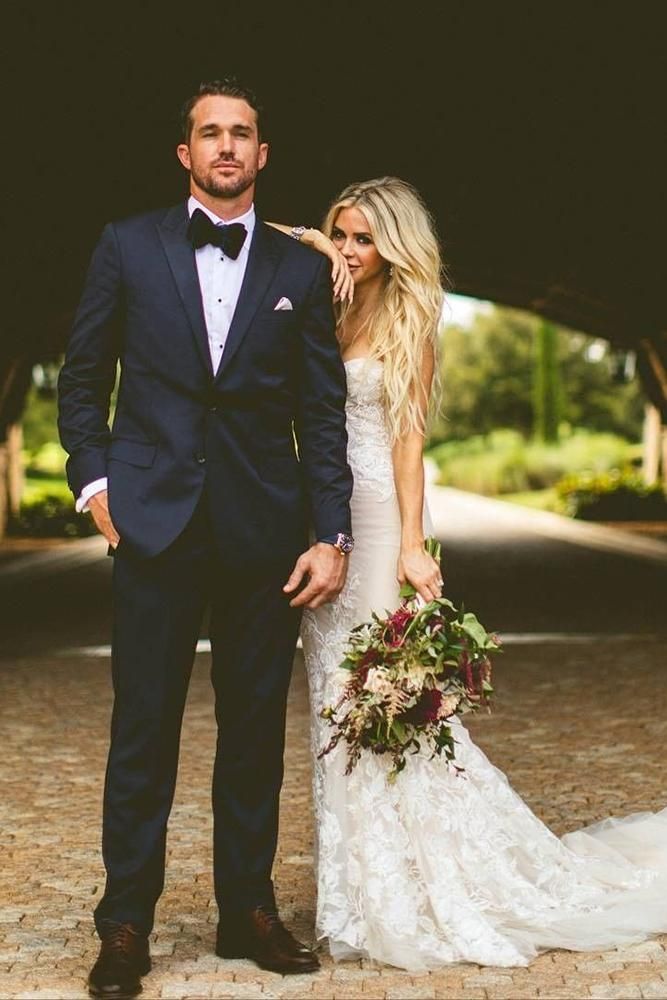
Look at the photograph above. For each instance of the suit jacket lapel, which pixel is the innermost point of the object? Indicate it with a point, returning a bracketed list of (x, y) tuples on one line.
[(173, 233), (263, 259)]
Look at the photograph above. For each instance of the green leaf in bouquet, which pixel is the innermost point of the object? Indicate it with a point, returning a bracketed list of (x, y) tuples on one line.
[(433, 547), (455, 647), (399, 731), (407, 591), (472, 627)]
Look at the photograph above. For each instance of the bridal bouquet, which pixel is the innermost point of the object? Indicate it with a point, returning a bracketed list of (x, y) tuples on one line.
[(410, 672)]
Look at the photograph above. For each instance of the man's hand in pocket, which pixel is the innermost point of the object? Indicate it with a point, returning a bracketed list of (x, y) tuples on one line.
[(99, 508)]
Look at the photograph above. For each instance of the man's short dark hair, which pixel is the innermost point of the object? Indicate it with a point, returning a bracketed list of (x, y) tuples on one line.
[(229, 86)]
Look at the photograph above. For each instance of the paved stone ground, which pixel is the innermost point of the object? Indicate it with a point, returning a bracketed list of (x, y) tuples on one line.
[(580, 730)]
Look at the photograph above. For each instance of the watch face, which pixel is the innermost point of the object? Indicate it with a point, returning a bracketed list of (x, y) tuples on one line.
[(345, 543)]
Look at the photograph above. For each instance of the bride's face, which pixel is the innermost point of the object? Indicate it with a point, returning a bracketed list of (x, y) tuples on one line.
[(352, 235)]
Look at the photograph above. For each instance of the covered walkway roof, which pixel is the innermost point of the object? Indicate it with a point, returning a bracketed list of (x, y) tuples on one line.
[(536, 133)]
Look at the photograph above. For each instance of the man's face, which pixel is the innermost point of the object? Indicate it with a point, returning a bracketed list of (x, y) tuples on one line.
[(224, 154)]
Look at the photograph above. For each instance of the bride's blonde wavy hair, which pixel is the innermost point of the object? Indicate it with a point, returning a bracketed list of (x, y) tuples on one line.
[(404, 327)]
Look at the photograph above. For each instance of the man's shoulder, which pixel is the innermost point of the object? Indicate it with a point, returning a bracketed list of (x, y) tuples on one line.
[(139, 221), (293, 250)]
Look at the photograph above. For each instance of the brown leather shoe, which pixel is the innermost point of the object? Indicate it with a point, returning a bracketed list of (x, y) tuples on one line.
[(123, 959), (262, 936)]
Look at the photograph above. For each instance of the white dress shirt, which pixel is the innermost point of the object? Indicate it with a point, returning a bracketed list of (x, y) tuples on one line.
[(220, 280)]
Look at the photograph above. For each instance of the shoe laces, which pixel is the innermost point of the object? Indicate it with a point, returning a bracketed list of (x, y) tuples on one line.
[(119, 939), (270, 917), (272, 922)]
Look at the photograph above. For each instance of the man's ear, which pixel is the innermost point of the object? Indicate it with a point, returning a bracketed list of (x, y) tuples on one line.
[(183, 153), (263, 155)]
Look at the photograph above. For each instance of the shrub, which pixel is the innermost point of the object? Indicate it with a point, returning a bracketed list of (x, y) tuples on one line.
[(48, 460), (613, 496), (50, 516), (504, 462)]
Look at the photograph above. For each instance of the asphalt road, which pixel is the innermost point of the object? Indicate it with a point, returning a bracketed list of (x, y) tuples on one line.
[(504, 562)]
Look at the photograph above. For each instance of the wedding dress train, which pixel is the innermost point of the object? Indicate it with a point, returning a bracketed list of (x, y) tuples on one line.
[(438, 868)]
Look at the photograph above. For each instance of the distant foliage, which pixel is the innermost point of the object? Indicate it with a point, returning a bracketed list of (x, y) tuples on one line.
[(50, 516), (488, 371), (613, 496), (39, 421), (505, 462)]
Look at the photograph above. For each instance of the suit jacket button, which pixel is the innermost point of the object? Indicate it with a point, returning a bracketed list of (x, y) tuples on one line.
[(201, 459)]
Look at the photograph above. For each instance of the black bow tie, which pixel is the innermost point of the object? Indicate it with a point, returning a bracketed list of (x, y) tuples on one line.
[(202, 230)]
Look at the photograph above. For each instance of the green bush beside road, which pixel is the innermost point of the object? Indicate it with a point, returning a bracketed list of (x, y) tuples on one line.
[(504, 461), (50, 515), (612, 496)]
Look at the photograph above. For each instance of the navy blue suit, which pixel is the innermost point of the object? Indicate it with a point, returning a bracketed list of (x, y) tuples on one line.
[(214, 481)]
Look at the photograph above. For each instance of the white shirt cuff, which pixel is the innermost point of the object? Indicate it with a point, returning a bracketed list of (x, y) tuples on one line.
[(89, 491)]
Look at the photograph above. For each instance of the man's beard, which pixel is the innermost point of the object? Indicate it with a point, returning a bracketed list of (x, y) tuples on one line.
[(218, 187)]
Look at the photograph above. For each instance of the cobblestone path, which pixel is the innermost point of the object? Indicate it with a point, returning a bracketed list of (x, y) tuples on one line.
[(580, 729)]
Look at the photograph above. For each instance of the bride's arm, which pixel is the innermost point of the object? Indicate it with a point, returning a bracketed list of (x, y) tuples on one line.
[(415, 565), (340, 272)]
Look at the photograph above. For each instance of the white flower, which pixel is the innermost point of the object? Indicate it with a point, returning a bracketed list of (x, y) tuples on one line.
[(377, 682)]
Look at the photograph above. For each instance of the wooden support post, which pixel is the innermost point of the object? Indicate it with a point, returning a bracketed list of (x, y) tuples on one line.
[(652, 444)]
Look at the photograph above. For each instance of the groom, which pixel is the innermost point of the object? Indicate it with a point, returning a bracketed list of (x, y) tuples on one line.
[(228, 441)]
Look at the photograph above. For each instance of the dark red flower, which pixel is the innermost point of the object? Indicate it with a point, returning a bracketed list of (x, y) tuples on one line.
[(400, 618), (429, 703), (426, 709), (397, 625)]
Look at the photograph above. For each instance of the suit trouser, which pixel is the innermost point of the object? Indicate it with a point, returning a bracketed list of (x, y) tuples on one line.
[(158, 609)]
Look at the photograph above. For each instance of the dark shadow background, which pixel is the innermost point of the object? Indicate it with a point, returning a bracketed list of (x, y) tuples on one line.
[(535, 132)]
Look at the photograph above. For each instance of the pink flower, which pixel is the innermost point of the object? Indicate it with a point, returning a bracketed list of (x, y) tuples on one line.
[(466, 667), (448, 705)]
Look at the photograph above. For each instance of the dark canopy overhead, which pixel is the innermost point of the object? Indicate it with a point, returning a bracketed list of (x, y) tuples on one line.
[(536, 133)]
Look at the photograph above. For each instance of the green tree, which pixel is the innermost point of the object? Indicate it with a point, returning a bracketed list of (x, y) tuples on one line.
[(486, 375), (487, 379)]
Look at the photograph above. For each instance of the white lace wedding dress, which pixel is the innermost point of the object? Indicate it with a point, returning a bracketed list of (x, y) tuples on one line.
[(436, 868)]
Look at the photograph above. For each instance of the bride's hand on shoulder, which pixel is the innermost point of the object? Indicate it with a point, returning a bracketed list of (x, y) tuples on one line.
[(343, 285), (340, 272), (417, 567)]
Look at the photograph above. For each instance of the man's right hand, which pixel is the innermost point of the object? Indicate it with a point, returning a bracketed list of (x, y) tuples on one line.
[(98, 506)]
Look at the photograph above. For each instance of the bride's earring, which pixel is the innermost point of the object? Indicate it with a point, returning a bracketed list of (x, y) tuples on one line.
[(390, 271)]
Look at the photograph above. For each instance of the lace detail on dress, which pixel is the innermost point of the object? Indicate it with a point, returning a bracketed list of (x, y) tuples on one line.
[(369, 443), (325, 632)]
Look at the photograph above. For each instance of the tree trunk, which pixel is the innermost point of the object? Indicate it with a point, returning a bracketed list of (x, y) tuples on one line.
[(653, 444), (547, 389), (11, 475)]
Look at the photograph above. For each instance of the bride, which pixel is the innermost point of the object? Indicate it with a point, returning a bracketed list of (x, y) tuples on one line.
[(435, 868)]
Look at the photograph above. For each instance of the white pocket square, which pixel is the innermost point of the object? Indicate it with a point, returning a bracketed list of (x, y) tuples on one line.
[(283, 303)]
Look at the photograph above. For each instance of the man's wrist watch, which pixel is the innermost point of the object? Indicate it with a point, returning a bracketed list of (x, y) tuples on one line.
[(297, 232), (344, 543)]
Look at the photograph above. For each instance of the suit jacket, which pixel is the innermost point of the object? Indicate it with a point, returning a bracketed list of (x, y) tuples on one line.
[(178, 427)]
